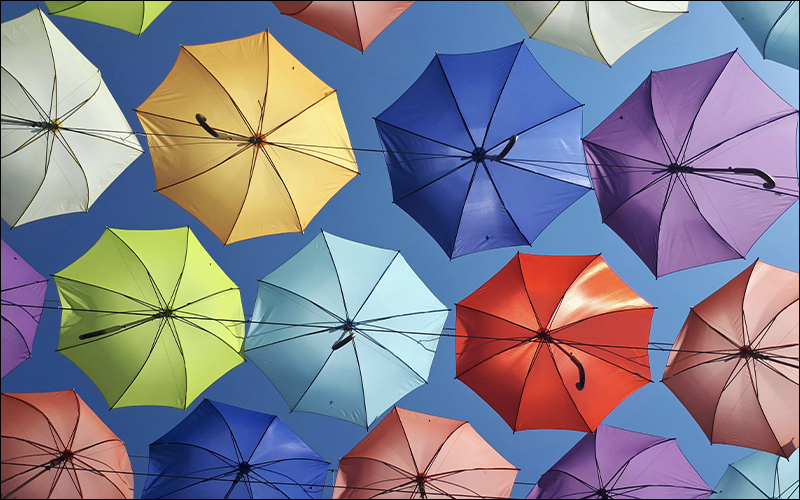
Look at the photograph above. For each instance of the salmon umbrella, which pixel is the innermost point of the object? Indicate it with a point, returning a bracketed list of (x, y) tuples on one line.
[(414, 455), (150, 317), (734, 365), (772, 26), (615, 463), (553, 342), (133, 17), (54, 446), (355, 23), (696, 164), (23, 291), (760, 475), (246, 139)]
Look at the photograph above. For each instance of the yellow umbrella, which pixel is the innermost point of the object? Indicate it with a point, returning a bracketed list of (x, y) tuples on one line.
[(246, 138)]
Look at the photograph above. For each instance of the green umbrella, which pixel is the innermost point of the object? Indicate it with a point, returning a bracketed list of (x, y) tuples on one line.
[(150, 317), (133, 17)]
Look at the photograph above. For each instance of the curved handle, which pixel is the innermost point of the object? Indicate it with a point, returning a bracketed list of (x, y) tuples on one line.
[(581, 373), (511, 141), (343, 340), (202, 121), (769, 182)]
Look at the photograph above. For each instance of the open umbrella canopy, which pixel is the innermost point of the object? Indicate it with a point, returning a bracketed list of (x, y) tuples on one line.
[(553, 342), (616, 463), (133, 17), (483, 150), (773, 27), (65, 139), (602, 31), (414, 455), (221, 451), (734, 365), (696, 164), (22, 296), (54, 446), (344, 329), (355, 23), (150, 317), (760, 475), (246, 139)]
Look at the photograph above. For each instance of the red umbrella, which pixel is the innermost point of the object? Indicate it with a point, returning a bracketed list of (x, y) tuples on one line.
[(355, 23), (734, 365), (553, 342), (54, 446)]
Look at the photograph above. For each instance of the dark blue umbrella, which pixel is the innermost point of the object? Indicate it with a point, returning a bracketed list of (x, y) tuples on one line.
[(484, 150), (221, 451)]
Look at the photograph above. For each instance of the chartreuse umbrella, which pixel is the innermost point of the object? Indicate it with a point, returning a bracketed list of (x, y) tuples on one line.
[(772, 26), (221, 451), (344, 329), (133, 17), (150, 317), (760, 475)]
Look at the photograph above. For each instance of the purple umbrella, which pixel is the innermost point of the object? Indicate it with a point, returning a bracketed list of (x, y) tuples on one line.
[(615, 463), (696, 164), (21, 286)]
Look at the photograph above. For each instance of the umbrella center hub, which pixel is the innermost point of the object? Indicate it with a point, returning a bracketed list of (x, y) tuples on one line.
[(244, 468), (348, 333), (165, 313), (421, 478), (478, 155), (67, 455), (258, 140), (603, 493), (675, 168), (53, 125), (543, 335)]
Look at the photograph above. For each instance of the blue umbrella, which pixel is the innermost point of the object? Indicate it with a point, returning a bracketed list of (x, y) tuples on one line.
[(221, 451), (344, 329), (484, 150), (760, 475)]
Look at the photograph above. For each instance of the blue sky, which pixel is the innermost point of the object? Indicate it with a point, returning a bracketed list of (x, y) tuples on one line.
[(367, 84)]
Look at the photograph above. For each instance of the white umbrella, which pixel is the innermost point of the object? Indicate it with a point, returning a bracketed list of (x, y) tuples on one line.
[(64, 139), (603, 31)]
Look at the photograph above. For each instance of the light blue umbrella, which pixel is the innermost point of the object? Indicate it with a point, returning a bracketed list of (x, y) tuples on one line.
[(760, 475), (344, 329), (772, 26)]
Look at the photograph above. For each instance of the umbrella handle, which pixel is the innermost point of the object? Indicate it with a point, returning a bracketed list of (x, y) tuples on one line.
[(769, 182), (581, 373), (202, 121), (511, 141)]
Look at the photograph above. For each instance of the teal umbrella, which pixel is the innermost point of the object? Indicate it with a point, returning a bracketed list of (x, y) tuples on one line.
[(760, 475), (344, 329), (772, 26)]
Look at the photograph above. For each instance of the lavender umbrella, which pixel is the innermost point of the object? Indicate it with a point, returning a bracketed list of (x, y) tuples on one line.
[(21, 286), (695, 165), (615, 463)]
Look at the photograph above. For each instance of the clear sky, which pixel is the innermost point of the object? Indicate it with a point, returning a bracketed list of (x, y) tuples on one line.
[(363, 211)]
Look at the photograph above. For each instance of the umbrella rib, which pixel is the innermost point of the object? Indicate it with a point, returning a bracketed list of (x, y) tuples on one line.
[(594, 40), (317, 156), (530, 301), (455, 101), (734, 372), (314, 380), (752, 372), (48, 153), (405, 334), (559, 115), (53, 433), (508, 211), (239, 455), (304, 298), (421, 137), (670, 155), (265, 482), (39, 135), (327, 94), (36, 106), (361, 379), (439, 449), (338, 278), (645, 160), (63, 141), (222, 458), (578, 347), (408, 442), (24, 341), (247, 192), (81, 104), (194, 124), (564, 385), (499, 95), (670, 186), (376, 320), (618, 474), (17, 287), (576, 478), (149, 276), (648, 186), (461, 215), (173, 331), (376, 283), (566, 290), (435, 180), (507, 163), (756, 186), (195, 325), (358, 28), (392, 353), (258, 443), (771, 28), (326, 330), (89, 468), (525, 383), (283, 183), (152, 348), (234, 155)]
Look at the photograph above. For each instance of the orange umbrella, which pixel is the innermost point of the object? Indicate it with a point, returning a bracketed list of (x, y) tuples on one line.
[(734, 365), (414, 455), (553, 342), (54, 446), (355, 23)]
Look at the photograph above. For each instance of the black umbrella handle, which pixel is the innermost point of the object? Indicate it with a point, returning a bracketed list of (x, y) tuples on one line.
[(202, 120), (581, 373), (769, 182), (511, 141)]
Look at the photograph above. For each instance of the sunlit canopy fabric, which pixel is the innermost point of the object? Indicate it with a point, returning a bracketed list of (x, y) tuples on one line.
[(696, 164), (734, 363), (483, 150), (602, 31), (221, 451), (65, 139), (344, 329), (246, 138), (553, 342), (415, 455), (355, 23), (772, 26), (23, 291), (150, 317), (54, 446), (133, 17), (760, 475)]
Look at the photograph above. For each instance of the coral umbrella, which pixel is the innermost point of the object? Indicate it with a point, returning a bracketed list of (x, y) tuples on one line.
[(150, 317), (602, 31), (355, 23), (553, 342), (414, 455), (734, 365), (65, 139), (22, 294), (246, 139), (615, 463), (483, 150), (772, 26), (695, 165), (344, 329), (760, 475), (221, 451), (133, 17), (54, 446)]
